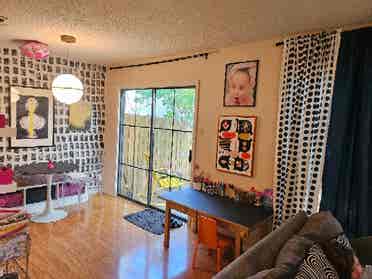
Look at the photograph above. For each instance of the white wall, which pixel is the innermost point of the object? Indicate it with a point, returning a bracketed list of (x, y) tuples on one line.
[(210, 76)]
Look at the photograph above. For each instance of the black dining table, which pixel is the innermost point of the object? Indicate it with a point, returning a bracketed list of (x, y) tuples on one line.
[(239, 216)]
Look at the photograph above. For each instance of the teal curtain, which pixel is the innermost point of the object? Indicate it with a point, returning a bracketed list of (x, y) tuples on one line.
[(347, 176)]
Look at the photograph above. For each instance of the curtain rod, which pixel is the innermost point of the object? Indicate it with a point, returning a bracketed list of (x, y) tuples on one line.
[(279, 43), (194, 56)]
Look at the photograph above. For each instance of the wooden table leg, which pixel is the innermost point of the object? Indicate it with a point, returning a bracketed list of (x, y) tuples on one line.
[(194, 217), (167, 225), (237, 243)]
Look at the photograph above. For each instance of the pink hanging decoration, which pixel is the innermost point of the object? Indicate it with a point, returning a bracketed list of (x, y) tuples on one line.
[(35, 50)]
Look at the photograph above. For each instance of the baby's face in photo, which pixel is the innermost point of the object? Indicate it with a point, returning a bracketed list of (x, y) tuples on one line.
[(239, 84)]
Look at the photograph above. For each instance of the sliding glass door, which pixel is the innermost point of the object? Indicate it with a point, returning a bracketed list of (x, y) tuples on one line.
[(156, 137), (134, 140)]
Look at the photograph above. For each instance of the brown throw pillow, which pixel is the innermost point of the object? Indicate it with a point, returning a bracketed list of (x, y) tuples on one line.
[(259, 275), (290, 257), (321, 227), (279, 273), (294, 251)]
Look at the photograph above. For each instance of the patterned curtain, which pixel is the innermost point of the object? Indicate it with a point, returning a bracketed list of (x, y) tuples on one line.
[(308, 73)]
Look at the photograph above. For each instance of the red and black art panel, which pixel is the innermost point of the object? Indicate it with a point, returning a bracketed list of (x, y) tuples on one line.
[(235, 142)]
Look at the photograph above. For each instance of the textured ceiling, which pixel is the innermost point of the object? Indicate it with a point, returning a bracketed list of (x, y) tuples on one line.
[(113, 32)]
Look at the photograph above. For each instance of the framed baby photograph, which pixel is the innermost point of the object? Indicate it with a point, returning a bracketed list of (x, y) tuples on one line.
[(241, 84), (31, 113), (235, 144)]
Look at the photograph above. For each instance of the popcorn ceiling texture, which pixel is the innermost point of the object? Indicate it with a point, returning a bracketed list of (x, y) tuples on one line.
[(113, 32), (84, 148)]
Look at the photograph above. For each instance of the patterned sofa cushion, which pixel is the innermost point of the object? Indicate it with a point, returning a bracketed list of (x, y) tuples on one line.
[(316, 266), (341, 255)]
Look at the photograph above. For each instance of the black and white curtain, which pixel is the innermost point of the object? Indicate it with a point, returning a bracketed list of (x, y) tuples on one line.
[(308, 73)]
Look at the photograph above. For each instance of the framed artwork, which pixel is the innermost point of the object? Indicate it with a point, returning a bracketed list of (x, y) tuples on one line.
[(31, 113), (79, 116), (235, 144), (241, 84)]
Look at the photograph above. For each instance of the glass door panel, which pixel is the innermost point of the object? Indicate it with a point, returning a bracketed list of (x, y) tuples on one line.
[(162, 154), (134, 149), (155, 139), (126, 181), (128, 138), (143, 103), (128, 108), (164, 108), (182, 144), (160, 183), (184, 109), (173, 122), (140, 185), (142, 148)]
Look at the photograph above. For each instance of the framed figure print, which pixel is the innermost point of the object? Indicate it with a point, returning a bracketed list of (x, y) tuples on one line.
[(31, 113), (241, 84), (235, 144)]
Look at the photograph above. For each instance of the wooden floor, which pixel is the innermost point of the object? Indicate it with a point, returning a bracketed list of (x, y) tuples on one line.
[(96, 242)]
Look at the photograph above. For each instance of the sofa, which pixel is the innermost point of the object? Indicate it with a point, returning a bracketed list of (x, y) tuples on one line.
[(261, 260)]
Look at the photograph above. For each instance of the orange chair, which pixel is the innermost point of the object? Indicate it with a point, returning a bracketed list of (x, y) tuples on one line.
[(207, 235)]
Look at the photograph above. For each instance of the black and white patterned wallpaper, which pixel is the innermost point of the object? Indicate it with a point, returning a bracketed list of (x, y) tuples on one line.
[(84, 148)]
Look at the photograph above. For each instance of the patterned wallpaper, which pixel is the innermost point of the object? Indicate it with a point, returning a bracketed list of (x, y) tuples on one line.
[(84, 148)]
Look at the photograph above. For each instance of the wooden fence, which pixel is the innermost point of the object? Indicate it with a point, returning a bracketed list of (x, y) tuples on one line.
[(169, 157)]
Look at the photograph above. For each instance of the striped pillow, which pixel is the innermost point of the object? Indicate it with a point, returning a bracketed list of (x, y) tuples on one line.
[(316, 266)]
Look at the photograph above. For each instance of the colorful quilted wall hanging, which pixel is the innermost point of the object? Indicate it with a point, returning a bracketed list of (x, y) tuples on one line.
[(235, 144)]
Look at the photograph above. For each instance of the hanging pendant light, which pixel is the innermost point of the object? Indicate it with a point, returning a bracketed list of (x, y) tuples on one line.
[(67, 88)]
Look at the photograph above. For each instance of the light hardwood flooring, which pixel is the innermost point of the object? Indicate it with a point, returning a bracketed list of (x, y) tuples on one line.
[(96, 242)]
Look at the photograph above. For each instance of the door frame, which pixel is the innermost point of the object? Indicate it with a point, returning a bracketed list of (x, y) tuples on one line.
[(194, 134)]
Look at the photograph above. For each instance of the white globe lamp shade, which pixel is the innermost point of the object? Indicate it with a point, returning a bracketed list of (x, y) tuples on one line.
[(67, 89)]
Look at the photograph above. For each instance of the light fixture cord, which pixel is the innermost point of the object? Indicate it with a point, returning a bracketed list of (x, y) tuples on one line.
[(68, 61)]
